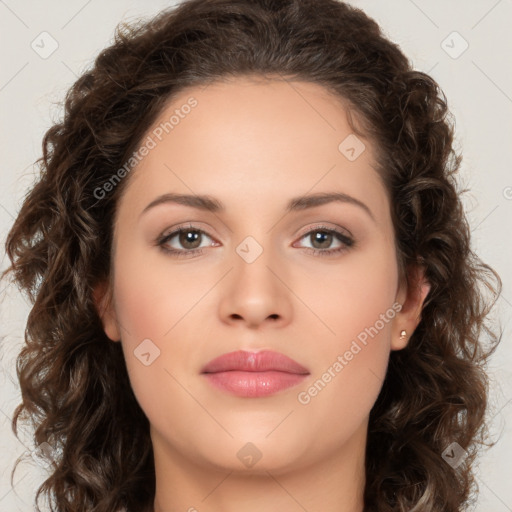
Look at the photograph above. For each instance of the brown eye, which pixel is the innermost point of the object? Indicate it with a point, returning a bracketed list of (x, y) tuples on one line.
[(322, 239), (185, 241), (189, 239)]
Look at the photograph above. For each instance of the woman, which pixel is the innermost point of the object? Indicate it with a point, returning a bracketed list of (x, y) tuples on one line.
[(317, 345)]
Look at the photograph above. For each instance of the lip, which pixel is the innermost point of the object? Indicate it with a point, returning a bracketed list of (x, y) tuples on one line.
[(254, 374)]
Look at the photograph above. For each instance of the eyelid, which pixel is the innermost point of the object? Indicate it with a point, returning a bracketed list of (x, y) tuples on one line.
[(324, 226), (317, 226), (191, 225), (175, 230), (346, 240)]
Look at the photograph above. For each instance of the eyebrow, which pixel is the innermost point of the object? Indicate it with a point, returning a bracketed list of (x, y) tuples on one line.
[(211, 204)]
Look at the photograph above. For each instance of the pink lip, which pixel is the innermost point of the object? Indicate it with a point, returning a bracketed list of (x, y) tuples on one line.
[(254, 374)]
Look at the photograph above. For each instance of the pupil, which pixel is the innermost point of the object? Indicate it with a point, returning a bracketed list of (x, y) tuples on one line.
[(321, 234), (188, 237)]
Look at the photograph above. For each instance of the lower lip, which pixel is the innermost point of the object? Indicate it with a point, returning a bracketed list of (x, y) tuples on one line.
[(254, 384)]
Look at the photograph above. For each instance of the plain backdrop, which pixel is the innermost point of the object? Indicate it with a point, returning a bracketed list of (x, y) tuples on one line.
[(466, 47)]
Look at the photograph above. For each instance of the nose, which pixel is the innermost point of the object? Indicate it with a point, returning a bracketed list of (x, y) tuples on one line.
[(256, 293)]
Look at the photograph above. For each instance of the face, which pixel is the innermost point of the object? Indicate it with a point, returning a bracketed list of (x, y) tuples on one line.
[(314, 280)]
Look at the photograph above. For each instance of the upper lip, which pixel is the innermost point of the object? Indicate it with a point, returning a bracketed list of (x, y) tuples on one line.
[(264, 360)]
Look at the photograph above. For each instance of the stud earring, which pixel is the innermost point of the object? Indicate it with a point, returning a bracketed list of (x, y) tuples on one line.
[(403, 335)]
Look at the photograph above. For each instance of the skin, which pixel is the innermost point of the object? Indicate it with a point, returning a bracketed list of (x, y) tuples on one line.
[(254, 145)]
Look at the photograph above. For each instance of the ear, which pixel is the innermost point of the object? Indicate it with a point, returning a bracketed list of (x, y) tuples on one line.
[(104, 306), (411, 296)]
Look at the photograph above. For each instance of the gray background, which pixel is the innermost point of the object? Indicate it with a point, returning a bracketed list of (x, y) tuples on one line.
[(478, 84)]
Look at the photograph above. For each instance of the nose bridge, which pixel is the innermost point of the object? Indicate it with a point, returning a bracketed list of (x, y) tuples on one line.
[(255, 293), (253, 261)]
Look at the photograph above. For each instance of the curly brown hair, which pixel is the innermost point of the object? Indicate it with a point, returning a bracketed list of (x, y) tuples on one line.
[(74, 383)]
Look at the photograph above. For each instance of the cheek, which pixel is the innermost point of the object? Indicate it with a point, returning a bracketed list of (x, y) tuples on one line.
[(338, 400), (351, 296), (156, 306), (356, 304), (351, 360), (153, 294), (350, 371)]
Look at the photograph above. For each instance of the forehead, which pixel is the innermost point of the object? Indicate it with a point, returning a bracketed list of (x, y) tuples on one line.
[(253, 138)]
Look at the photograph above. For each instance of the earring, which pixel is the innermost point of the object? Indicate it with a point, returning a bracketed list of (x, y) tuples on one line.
[(403, 335)]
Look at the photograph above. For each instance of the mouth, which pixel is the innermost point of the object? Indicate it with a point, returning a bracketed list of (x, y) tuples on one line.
[(254, 374)]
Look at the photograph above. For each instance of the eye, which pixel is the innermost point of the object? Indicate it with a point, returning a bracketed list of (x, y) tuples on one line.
[(322, 238), (188, 237)]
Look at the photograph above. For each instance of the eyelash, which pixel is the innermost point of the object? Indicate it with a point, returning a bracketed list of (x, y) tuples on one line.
[(188, 253)]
